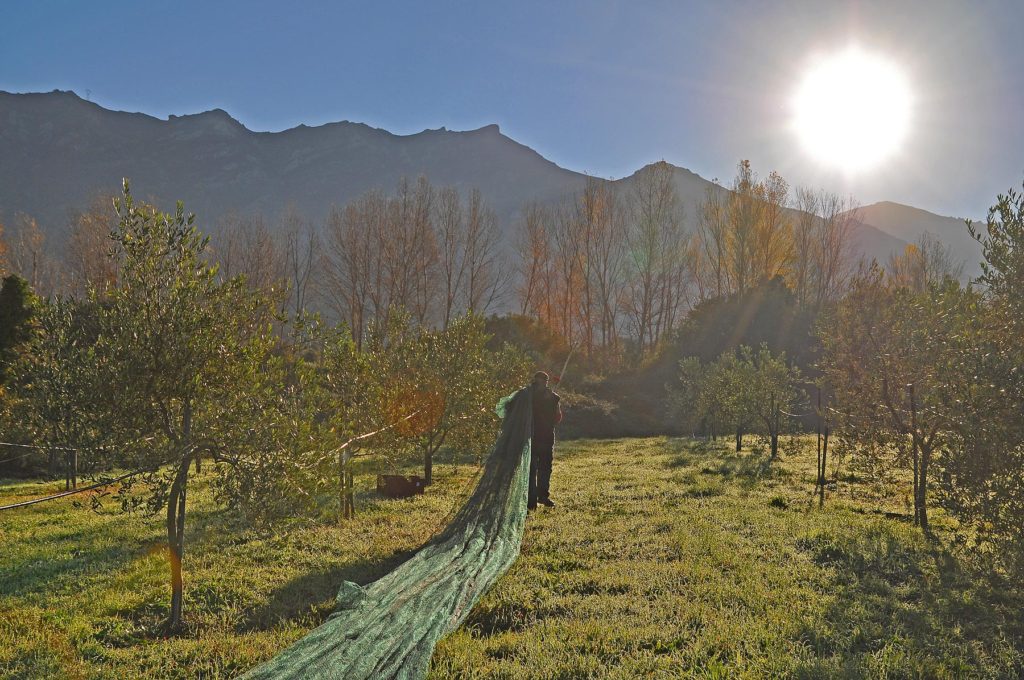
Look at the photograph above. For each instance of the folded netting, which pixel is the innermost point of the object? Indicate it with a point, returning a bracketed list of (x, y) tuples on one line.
[(388, 629)]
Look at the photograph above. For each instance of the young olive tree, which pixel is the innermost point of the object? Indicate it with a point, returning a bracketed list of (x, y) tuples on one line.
[(740, 390), (178, 351), (58, 387), (687, 404), (354, 385), (730, 380), (771, 390), (458, 380)]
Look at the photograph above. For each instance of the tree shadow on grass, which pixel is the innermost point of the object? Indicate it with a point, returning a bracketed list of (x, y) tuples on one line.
[(908, 609), (691, 452), (746, 468), (311, 596), (719, 457), (77, 553)]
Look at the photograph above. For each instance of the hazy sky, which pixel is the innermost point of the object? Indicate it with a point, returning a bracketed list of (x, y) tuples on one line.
[(599, 87)]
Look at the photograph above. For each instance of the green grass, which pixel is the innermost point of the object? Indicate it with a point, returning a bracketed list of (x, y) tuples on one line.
[(664, 558)]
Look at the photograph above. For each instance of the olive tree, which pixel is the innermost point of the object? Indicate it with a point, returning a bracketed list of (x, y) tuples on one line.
[(457, 380), (178, 350), (58, 386), (770, 389), (881, 349)]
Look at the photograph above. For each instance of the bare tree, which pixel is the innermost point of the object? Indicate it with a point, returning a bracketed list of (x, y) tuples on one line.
[(537, 280), (301, 246), (28, 257), (452, 260), (88, 261), (746, 236), (743, 215), (351, 261), (711, 258), (422, 254), (244, 246), (805, 225), (486, 281), (657, 262), (822, 260), (605, 253), (924, 263), (832, 249), (772, 247), (566, 274)]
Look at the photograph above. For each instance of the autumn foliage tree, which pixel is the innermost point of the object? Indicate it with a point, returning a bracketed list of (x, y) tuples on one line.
[(745, 235)]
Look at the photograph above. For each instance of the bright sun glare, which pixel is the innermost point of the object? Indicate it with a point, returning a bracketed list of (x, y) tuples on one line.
[(851, 111)]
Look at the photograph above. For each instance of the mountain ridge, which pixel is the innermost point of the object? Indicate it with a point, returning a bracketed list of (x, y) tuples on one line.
[(909, 223), (61, 151)]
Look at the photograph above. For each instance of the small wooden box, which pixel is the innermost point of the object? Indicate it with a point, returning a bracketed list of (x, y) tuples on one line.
[(399, 486)]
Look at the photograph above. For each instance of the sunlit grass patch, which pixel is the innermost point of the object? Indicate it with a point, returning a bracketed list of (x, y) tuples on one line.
[(664, 558)]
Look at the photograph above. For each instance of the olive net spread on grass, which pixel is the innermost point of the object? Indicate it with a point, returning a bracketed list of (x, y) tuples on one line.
[(388, 629)]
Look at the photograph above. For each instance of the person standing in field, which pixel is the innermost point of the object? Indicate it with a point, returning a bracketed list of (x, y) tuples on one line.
[(546, 414)]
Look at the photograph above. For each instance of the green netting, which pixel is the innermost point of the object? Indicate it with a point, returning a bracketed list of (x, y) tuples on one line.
[(388, 629)]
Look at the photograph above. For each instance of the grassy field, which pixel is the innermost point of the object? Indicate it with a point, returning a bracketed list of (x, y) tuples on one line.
[(665, 558)]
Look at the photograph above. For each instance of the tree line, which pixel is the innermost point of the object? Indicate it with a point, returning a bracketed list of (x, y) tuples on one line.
[(613, 269)]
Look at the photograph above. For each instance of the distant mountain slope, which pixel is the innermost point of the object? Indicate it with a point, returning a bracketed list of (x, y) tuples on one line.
[(58, 151), (908, 223)]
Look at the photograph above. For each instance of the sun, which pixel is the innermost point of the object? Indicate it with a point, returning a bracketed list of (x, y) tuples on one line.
[(851, 111)]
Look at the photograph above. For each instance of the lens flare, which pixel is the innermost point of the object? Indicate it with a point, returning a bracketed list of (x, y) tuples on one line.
[(852, 110)]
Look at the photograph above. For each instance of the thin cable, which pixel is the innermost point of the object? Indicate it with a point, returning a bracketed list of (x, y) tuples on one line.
[(39, 448), (8, 460), (69, 493)]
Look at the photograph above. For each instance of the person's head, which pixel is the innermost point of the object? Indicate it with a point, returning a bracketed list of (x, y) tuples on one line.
[(540, 379)]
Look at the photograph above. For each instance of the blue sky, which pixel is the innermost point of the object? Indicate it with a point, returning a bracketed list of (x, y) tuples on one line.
[(599, 87)]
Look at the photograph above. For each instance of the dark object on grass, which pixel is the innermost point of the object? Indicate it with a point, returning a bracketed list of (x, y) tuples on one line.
[(399, 486)]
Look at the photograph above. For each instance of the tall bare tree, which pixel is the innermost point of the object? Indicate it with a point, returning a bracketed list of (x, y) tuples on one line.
[(772, 248), (657, 269), (822, 261), (451, 229), (536, 264), (300, 248), (245, 247), (28, 257), (351, 261), (422, 254), (745, 236), (923, 263), (486, 280), (710, 260), (606, 253), (88, 264)]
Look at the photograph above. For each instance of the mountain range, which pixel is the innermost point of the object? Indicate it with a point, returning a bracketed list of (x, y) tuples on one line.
[(58, 151)]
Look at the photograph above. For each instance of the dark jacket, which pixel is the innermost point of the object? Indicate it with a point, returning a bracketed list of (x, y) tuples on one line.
[(546, 412)]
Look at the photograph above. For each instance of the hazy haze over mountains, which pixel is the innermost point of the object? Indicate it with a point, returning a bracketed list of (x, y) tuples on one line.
[(908, 224), (58, 151)]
